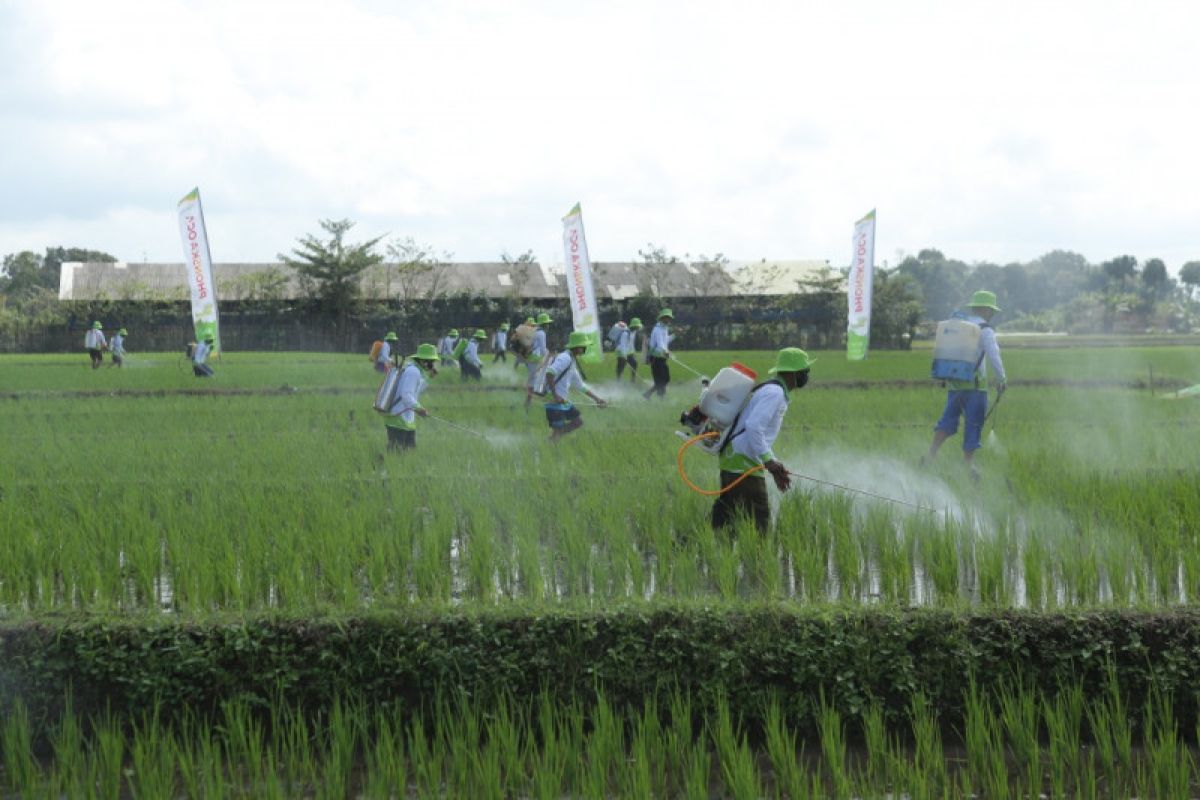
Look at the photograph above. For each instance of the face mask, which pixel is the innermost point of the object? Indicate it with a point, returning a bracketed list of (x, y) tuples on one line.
[(801, 378)]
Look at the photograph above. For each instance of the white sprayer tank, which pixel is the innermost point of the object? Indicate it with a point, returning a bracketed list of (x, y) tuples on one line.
[(955, 350), (726, 394)]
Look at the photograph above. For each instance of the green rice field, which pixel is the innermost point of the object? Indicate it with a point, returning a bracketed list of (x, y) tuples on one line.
[(269, 487), (146, 494)]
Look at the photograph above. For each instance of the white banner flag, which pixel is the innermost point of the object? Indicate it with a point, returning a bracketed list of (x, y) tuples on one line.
[(858, 290), (198, 262), (584, 316)]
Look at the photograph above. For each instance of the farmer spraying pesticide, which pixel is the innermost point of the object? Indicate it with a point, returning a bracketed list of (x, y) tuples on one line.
[(200, 367), (538, 352), (563, 373), (500, 343), (745, 443), (117, 349), (399, 397), (660, 353), (96, 344), (469, 362), (383, 356), (964, 349), (446, 347), (625, 343)]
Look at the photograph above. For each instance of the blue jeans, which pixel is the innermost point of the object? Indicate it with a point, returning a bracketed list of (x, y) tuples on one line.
[(970, 404)]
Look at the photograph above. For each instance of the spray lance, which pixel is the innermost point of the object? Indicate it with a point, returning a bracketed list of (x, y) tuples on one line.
[(758, 468)]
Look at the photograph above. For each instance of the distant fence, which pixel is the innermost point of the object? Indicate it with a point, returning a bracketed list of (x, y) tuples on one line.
[(698, 326)]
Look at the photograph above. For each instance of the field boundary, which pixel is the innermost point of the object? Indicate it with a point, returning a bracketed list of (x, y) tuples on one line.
[(747, 655)]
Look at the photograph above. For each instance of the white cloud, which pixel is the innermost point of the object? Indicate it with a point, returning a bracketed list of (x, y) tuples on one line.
[(755, 129)]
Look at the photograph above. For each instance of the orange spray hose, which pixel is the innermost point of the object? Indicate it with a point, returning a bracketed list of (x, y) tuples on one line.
[(694, 487)]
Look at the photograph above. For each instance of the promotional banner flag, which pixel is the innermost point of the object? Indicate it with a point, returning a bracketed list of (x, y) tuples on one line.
[(858, 289), (584, 316), (198, 262)]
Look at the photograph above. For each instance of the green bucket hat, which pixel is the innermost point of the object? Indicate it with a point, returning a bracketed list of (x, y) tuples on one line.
[(479, 334), (530, 321), (425, 352), (503, 326), (391, 336), (96, 325), (666, 312), (635, 323), (123, 332), (983, 299), (791, 359), (543, 318), (577, 339), (453, 332)]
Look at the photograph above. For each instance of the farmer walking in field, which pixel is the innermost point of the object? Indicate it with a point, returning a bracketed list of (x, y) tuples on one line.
[(383, 361), (626, 347), (446, 347), (561, 374), (538, 351), (402, 416), (969, 398), (660, 353), (200, 356), (500, 343), (96, 344), (748, 448), (117, 348), (469, 362)]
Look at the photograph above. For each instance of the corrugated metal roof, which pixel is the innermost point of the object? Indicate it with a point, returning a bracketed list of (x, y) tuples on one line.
[(612, 279)]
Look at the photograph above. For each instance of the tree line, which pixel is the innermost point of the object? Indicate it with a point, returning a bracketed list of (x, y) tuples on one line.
[(340, 281)]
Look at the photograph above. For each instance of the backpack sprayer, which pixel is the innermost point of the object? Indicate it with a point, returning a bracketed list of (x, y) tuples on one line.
[(711, 422)]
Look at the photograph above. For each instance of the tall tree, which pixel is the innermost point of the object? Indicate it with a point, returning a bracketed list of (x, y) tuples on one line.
[(1119, 270), (1189, 276), (1155, 278), (420, 271), (330, 270)]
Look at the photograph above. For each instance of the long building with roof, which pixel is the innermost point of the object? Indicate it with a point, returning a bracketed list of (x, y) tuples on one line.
[(616, 280)]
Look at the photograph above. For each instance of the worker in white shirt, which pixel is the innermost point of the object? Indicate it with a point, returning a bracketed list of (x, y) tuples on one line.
[(538, 352), (199, 368), (626, 347), (500, 343), (563, 373), (383, 361), (748, 448), (446, 347), (470, 364), (117, 348), (660, 354), (96, 344), (969, 399), (401, 423)]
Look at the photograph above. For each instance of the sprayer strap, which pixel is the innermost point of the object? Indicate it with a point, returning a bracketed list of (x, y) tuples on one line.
[(734, 432)]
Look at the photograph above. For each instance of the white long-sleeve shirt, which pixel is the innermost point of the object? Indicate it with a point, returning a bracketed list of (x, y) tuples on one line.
[(385, 353), (408, 395), (562, 374), (117, 346), (988, 355), (471, 354), (660, 341), (499, 340), (751, 440), (446, 346), (625, 341), (94, 340), (538, 349), (200, 354)]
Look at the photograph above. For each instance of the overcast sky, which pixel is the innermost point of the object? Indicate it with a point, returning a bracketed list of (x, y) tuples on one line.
[(992, 131)]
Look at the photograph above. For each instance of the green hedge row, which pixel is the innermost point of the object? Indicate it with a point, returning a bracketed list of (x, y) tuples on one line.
[(750, 654)]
